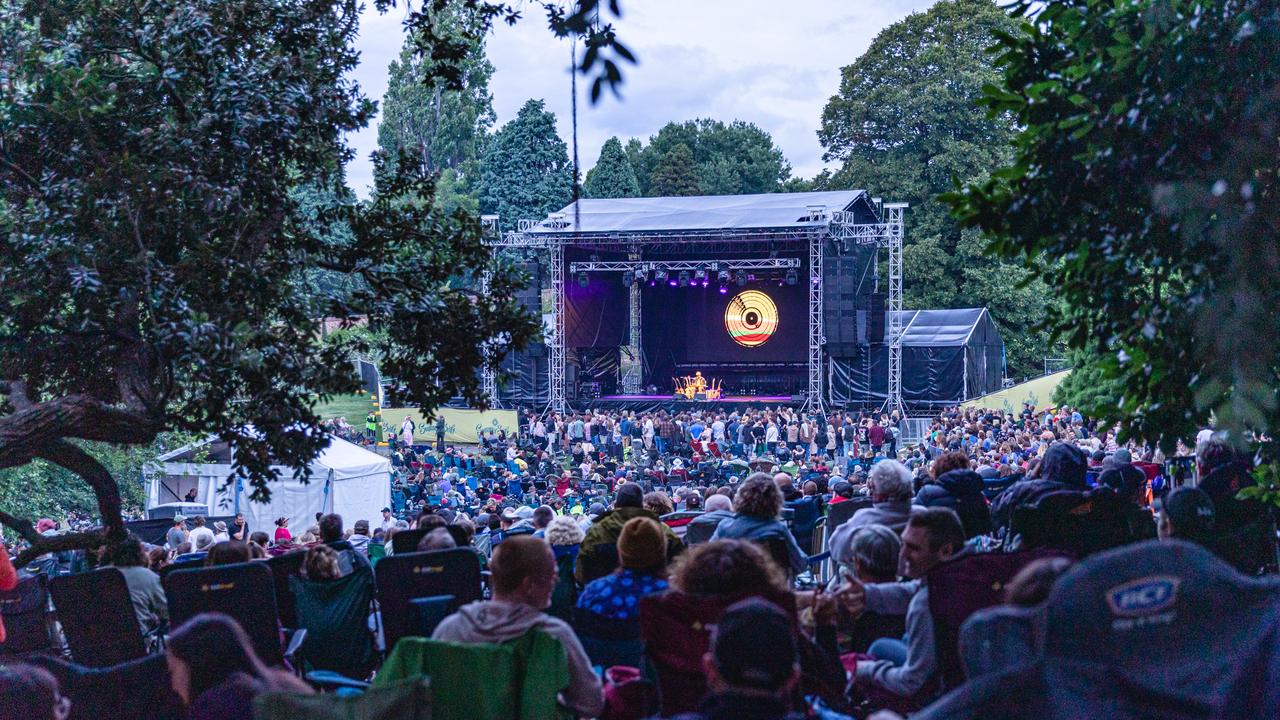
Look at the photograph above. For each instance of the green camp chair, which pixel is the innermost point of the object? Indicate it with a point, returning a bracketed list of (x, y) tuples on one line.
[(335, 614), (404, 700), (522, 677)]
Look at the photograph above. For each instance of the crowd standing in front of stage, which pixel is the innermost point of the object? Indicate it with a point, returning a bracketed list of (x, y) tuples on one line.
[(587, 520)]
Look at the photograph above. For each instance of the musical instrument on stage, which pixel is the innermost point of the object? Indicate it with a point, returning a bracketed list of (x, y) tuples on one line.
[(693, 386)]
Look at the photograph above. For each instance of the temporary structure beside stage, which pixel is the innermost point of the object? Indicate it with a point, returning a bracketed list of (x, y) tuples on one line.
[(345, 478)]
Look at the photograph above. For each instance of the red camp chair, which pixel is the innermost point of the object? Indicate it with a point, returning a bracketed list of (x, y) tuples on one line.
[(676, 629), (958, 588)]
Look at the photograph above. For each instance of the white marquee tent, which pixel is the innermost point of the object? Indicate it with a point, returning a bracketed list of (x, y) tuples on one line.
[(345, 478)]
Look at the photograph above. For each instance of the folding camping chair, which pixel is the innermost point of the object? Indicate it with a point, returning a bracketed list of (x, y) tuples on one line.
[(134, 690), (676, 631), (960, 587), (807, 510), (1076, 522), (335, 614), (609, 642), (406, 541), (282, 568), (602, 560), (25, 611), (1152, 629), (840, 513), (97, 617), (401, 578), (244, 591), (999, 639)]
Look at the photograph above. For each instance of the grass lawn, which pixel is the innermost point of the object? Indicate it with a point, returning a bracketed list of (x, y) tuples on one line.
[(352, 407)]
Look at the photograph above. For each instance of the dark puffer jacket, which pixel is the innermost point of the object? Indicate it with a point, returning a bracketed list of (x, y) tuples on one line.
[(960, 490)]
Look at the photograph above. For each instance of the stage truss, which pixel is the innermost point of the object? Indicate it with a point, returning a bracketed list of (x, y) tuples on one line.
[(555, 233)]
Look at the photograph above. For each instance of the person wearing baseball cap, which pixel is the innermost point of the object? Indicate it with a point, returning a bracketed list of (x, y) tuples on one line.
[(1187, 513), (753, 665)]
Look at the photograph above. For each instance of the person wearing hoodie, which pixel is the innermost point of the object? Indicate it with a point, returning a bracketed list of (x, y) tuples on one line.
[(1063, 468), (890, 484), (523, 578), (957, 487), (605, 529)]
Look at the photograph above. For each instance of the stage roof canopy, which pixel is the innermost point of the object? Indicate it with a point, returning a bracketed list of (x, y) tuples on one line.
[(701, 213)]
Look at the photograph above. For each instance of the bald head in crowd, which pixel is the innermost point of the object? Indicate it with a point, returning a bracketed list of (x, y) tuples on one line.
[(719, 502)]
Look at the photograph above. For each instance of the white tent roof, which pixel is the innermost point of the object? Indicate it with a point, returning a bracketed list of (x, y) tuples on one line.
[(708, 212), (345, 478)]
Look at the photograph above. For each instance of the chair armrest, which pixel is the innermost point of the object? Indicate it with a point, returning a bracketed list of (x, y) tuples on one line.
[(322, 679), (820, 557), (296, 639)]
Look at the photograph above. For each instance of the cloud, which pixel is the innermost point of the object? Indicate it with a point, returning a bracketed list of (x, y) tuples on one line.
[(773, 64)]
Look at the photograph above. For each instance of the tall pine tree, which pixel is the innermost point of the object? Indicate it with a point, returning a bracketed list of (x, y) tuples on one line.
[(613, 176), (444, 127), (675, 174), (525, 171)]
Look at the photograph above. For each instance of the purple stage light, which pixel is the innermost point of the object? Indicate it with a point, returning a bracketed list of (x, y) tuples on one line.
[(673, 283), (705, 283), (724, 290)]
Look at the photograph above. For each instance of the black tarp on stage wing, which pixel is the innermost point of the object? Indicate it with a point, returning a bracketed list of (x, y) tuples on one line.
[(948, 356)]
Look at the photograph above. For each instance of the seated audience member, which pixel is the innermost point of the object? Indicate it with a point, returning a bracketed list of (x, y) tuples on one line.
[(523, 578), (261, 539), (658, 503), (360, 537), (228, 552), (907, 668), (1063, 468), (31, 693), (1187, 513), (542, 517), (738, 568), (215, 672), (890, 484), (1032, 584), (321, 564), (145, 591), (718, 509), (437, 539), (1224, 472), (642, 552), (605, 529), (759, 510), (752, 667), (331, 534), (870, 556)]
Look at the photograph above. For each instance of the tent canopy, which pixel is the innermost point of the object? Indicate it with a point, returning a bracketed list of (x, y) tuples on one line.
[(939, 328), (700, 213), (345, 479), (948, 356)]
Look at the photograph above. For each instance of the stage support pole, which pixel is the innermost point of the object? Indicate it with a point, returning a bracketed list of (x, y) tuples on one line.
[(488, 376), (894, 223), (813, 395), (633, 378), (556, 402)]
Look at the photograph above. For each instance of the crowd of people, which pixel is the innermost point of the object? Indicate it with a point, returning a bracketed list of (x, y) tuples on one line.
[(578, 518)]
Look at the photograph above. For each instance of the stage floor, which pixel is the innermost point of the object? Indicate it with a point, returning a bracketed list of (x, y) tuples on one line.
[(770, 399)]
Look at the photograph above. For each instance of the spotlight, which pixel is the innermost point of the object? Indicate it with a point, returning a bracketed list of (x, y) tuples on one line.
[(724, 289), (659, 275), (700, 275), (641, 275), (722, 277), (628, 279), (684, 278), (583, 281), (793, 277), (740, 278)]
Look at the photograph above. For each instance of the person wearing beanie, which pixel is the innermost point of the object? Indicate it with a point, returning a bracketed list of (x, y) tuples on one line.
[(642, 552), (1063, 468), (1187, 513), (593, 559), (753, 665)]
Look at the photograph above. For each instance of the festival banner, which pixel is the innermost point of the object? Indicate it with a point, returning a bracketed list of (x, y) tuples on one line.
[(1038, 392), (463, 426)]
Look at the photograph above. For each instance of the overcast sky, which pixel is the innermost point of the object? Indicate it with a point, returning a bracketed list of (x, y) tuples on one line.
[(771, 63)]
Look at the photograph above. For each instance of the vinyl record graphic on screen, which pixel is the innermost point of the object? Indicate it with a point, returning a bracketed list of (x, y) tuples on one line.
[(751, 318)]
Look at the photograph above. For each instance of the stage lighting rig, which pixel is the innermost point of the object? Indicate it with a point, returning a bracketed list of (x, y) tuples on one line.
[(583, 280), (684, 278), (792, 277), (740, 278)]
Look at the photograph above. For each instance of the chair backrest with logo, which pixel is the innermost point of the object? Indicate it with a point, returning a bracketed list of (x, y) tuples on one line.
[(401, 578), (25, 612), (244, 591)]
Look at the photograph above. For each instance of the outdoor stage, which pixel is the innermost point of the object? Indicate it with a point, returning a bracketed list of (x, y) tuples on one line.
[(648, 403)]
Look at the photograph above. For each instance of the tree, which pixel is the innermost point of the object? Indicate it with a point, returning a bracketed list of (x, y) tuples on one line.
[(1154, 177), (737, 158), (525, 173), (444, 126), (675, 174), (612, 176), (154, 250), (905, 124)]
